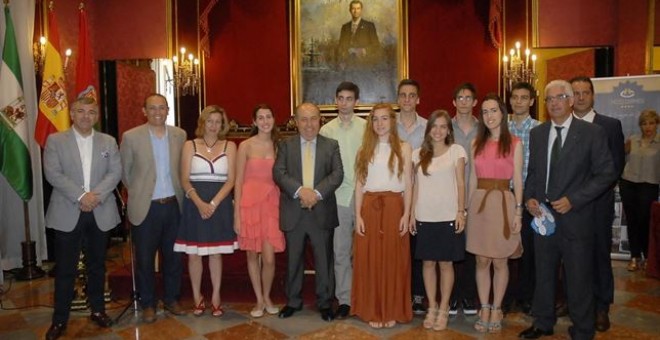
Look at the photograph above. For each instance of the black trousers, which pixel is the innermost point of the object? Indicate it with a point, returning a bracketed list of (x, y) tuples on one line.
[(603, 276), (637, 199), (417, 279), (465, 286), (522, 277), (85, 235)]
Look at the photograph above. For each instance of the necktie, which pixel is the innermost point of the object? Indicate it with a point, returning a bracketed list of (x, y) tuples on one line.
[(556, 147), (308, 166), (354, 28), (554, 154)]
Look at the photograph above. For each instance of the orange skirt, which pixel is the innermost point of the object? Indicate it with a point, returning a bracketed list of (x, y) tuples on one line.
[(381, 262)]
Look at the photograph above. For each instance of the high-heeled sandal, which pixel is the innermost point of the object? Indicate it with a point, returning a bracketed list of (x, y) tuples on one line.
[(495, 326), (199, 309), (430, 318), (481, 325), (217, 311), (633, 265), (440, 323)]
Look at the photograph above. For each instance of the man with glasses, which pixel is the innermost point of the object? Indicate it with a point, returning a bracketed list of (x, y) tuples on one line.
[(347, 129), (465, 131), (583, 109), (569, 167), (411, 127), (150, 155), (523, 97)]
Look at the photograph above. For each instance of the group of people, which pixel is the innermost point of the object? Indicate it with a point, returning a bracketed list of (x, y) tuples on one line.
[(386, 202)]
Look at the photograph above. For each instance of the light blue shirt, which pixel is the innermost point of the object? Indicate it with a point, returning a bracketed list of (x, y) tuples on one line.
[(161, 149), (522, 132), (416, 136)]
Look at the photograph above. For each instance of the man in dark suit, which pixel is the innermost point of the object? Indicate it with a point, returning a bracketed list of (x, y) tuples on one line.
[(583, 89), (308, 170), (569, 167), (358, 40), (84, 168)]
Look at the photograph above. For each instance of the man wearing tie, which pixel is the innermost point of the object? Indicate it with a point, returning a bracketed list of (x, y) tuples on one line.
[(308, 169), (569, 167), (583, 109), (84, 168)]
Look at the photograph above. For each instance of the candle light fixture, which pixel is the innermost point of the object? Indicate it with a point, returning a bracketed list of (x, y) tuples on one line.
[(516, 69), (186, 73)]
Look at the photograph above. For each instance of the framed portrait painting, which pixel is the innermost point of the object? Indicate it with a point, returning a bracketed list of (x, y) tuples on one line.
[(365, 42)]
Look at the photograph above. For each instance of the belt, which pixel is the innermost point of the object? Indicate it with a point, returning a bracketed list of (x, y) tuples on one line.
[(164, 200), (500, 185)]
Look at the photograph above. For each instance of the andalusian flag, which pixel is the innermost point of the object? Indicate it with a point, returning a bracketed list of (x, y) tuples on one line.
[(53, 105), (84, 70), (14, 153)]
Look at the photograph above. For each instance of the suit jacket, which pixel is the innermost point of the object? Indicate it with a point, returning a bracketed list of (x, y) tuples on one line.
[(63, 170), (328, 174), (139, 174), (583, 171), (616, 144), (365, 37)]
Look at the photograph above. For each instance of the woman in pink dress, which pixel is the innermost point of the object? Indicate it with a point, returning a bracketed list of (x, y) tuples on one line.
[(495, 213), (256, 215)]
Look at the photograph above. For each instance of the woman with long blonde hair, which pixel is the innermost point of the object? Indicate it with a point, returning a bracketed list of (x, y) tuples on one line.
[(383, 196)]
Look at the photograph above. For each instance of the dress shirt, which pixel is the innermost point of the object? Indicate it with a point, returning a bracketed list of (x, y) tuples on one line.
[(416, 136), (522, 132), (85, 147), (161, 150), (349, 136), (589, 117), (302, 156)]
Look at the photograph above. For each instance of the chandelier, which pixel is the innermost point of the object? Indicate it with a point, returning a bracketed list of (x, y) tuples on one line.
[(186, 73), (518, 70)]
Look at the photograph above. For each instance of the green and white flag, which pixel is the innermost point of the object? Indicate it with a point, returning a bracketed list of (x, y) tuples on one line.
[(14, 153)]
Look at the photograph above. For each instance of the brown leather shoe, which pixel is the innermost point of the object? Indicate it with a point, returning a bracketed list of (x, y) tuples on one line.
[(174, 308), (55, 331), (602, 321), (149, 315)]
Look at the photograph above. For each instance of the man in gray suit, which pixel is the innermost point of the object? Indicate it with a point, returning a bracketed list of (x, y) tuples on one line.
[(308, 170), (569, 167), (84, 168), (151, 156)]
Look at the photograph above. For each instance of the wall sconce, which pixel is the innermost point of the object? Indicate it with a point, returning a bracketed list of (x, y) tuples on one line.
[(186, 73), (39, 54), (518, 70)]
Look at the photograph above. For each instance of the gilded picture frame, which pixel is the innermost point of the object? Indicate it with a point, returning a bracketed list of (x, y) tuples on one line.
[(326, 49)]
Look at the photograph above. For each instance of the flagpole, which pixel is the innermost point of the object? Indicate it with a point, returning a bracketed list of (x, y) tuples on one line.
[(30, 271)]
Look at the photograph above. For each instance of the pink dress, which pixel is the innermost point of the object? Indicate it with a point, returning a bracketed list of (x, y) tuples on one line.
[(260, 207), (484, 231)]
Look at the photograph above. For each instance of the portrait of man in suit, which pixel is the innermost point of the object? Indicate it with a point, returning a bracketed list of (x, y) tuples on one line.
[(308, 169), (84, 168), (358, 40), (569, 167), (151, 157)]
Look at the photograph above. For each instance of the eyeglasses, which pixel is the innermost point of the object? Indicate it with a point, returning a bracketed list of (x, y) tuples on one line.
[(464, 98), (560, 97)]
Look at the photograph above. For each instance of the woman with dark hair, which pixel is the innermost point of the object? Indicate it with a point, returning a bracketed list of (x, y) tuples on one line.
[(256, 214), (207, 176), (383, 197), (494, 213), (438, 216), (639, 184)]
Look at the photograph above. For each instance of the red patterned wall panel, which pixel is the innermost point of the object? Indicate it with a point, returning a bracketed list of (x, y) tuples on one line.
[(569, 66), (133, 85)]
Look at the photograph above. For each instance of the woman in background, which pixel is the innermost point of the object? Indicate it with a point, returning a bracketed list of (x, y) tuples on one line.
[(639, 185), (383, 197), (495, 213), (439, 215), (207, 176), (256, 214)]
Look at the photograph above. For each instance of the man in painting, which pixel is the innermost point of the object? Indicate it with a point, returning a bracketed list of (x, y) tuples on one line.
[(358, 41)]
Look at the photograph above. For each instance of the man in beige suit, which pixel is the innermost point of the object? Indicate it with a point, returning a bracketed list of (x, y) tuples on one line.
[(151, 157), (83, 166)]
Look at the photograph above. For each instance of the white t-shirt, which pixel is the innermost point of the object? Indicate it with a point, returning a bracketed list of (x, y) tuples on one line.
[(437, 193), (379, 177)]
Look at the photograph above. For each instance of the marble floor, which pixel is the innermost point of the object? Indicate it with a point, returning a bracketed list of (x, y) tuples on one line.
[(26, 308)]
